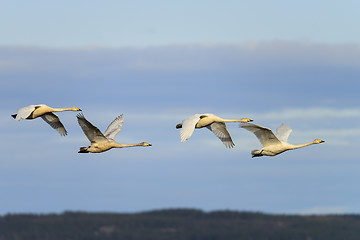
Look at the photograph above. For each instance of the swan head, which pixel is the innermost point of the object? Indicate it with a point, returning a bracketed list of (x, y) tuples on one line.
[(246, 120), (317, 141), (145, 144), (75, 109)]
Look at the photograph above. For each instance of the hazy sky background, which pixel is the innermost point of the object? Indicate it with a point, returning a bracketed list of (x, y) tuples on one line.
[(160, 62)]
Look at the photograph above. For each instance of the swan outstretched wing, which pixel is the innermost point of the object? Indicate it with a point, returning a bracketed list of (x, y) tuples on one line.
[(283, 132), (91, 132), (219, 129), (25, 112), (114, 127), (188, 126), (265, 135), (53, 120)]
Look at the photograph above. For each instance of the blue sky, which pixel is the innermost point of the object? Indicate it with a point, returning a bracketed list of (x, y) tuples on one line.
[(158, 63), (144, 23)]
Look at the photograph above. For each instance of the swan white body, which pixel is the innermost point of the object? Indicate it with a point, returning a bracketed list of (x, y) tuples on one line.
[(210, 121), (273, 144), (46, 113), (102, 142)]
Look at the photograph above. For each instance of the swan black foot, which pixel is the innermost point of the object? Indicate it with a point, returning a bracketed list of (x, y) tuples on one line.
[(83, 150), (258, 154)]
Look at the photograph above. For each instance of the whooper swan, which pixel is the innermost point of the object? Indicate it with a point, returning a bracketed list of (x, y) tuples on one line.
[(273, 144), (103, 142), (46, 113), (212, 122)]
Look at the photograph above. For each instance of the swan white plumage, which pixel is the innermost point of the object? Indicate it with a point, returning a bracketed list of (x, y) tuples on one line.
[(103, 142), (274, 144), (46, 113), (210, 121)]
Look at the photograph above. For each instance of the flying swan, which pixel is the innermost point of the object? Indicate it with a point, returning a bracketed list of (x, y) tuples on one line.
[(103, 142), (212, 122), (46, 113), (273, 144)]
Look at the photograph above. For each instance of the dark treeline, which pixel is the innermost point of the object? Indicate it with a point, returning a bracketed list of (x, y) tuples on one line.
[(178, 224)]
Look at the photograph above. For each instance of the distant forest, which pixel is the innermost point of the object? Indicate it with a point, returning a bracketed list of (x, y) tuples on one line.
[(179, 224)]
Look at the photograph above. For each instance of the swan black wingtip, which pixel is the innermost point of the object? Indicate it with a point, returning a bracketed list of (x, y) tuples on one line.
[(80, 115)]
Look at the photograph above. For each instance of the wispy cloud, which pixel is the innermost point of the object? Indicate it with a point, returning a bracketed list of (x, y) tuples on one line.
[(192, 56)]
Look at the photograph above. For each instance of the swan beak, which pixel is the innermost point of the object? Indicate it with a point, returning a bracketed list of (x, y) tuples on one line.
[(321, 141), (79, 109), (250, 120)]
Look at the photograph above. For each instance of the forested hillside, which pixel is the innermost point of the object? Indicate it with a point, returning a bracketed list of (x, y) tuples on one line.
[(178, 224)]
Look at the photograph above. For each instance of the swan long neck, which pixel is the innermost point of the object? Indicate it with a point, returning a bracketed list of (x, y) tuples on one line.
[(64, 109), (302, 145), (118, 145), (236, 120)]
